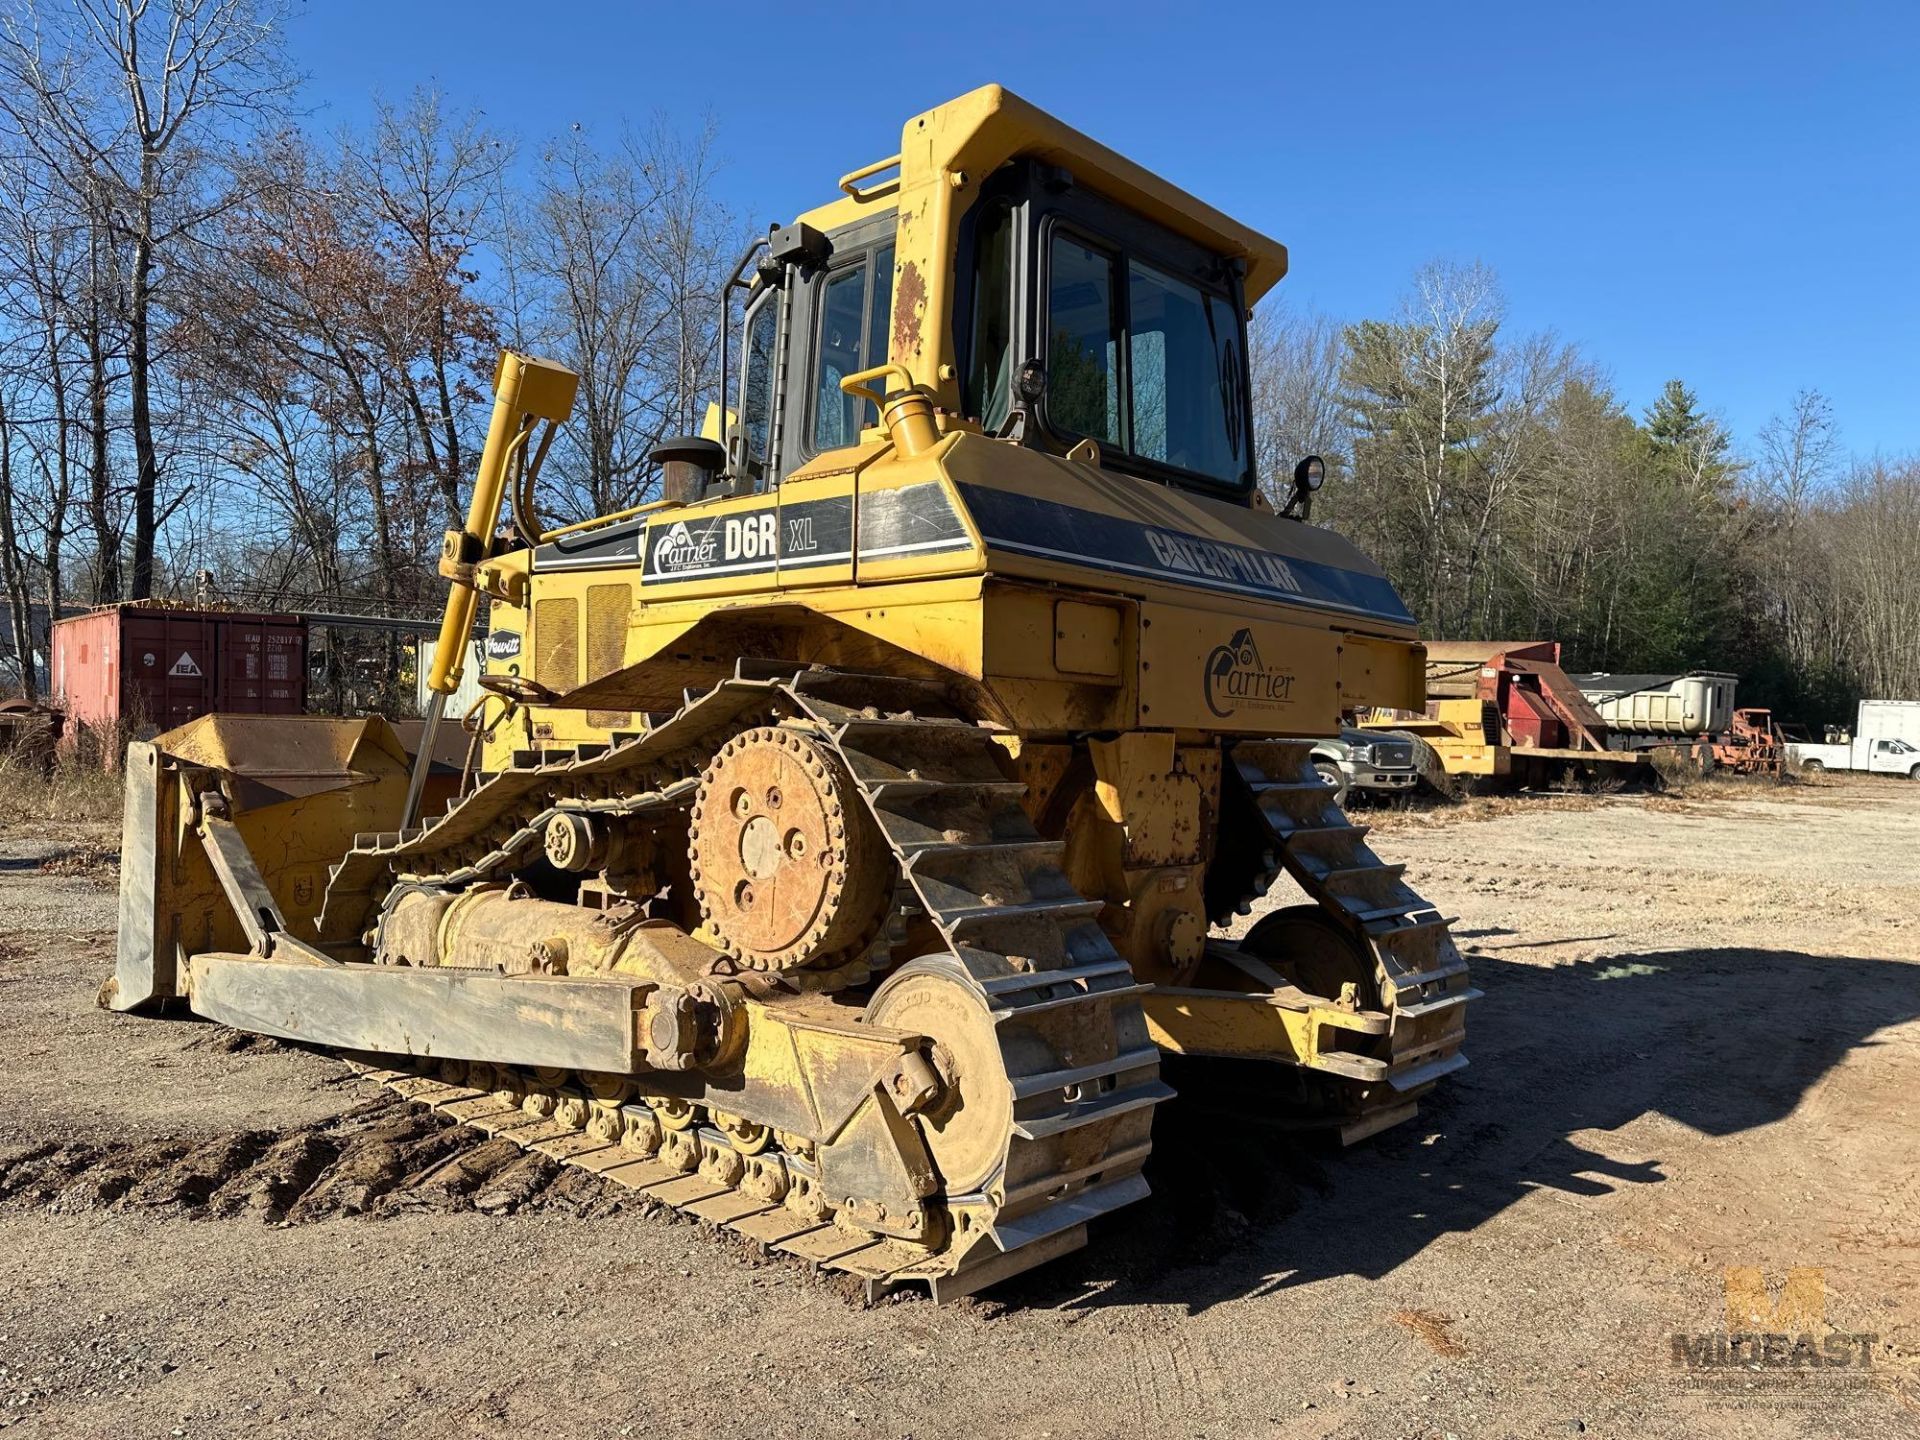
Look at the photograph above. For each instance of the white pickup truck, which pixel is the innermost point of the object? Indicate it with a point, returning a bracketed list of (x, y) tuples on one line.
[(1885, 742)]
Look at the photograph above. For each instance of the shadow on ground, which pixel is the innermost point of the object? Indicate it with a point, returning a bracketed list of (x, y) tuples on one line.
[(1722, 1040)]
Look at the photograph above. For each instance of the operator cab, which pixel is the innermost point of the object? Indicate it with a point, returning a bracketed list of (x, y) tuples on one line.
[(1075, 321)]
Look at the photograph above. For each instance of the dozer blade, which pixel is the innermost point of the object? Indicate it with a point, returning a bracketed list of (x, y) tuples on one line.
[(565, 1022), (295, 789)]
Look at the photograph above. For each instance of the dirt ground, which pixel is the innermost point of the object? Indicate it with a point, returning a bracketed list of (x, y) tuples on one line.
[(1698, 1048)]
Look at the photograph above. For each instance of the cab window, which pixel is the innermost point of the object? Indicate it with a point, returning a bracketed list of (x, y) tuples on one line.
[(756, 383), (1184, 375), (1143, 361), (1083, 340), (989, 375), (856, 307)]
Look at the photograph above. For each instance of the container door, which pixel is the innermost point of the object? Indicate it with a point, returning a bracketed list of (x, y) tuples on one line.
[(242, 667), (170, 664), (284, 669)]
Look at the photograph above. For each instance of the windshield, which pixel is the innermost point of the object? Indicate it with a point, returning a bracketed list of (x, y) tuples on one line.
[(1144, 362)]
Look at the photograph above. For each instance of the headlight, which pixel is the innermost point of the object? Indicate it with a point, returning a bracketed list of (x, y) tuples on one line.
[(1361, 754)]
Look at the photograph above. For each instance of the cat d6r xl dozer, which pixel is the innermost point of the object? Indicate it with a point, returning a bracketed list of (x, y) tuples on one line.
[(849, 832)]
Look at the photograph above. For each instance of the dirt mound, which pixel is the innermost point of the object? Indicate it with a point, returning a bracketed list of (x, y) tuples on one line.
[(383, 1157)]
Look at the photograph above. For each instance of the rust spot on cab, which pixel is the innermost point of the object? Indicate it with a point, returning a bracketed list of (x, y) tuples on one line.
[(909, 301)]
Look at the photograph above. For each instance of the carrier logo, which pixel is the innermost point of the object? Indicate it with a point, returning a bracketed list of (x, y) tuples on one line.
[(681, 549), (735, 541), (1236, 677)]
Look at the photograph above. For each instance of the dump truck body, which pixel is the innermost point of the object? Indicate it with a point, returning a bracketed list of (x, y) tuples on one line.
[(1651, 711)]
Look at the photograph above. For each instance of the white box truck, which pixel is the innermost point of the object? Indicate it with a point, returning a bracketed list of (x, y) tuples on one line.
[(1886, 741)]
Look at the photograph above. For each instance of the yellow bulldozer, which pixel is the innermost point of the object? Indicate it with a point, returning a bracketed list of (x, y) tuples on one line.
[(847, 833)]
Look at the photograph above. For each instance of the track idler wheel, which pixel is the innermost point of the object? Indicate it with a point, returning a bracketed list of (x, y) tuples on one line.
[(1317, 953), (969, 1125), (788, 865)]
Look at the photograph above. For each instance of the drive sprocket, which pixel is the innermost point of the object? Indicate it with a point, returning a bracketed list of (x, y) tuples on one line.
[(787, 864)]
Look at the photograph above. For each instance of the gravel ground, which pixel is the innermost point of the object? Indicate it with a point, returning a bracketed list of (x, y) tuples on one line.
[(1697, 1049)]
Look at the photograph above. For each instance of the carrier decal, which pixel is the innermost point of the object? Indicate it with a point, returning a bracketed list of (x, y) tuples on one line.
[(1070, 535), (1235, 677), (685, 544)]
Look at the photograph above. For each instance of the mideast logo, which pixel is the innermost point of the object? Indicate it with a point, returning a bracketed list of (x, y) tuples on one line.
[(1236, 677), (1774, 1350)]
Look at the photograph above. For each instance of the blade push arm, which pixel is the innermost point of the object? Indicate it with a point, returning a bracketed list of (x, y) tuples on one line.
[(526, 391)]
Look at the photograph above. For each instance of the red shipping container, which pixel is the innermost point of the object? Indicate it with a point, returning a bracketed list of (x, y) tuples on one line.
[(161, 668)]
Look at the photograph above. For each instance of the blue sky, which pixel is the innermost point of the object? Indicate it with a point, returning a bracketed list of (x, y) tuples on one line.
[(1728, 193)]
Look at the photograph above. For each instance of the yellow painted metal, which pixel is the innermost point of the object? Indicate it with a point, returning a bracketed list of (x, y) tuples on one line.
[(850, 182), (905, 414), (525, 390), (1087, 638), (1455, 730), (1235, 1024), (945, 154), (581, 526), (299, 788), (1138, 839), (991, 614), (1116, 682)]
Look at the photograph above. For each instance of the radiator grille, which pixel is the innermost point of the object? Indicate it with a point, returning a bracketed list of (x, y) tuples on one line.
[(556, 644), (608, 609)]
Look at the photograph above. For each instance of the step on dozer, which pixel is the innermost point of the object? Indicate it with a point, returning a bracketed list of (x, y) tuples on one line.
[(853, 827)]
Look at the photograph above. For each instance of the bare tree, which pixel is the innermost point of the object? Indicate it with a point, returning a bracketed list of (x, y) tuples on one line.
[(426, 178), (1799, 454), (1420, 392), (119, 97), (1877, 527), (1298, 407), (624, 250)]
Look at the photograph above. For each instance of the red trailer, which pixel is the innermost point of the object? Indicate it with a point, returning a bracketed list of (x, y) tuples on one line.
[(144, 665)]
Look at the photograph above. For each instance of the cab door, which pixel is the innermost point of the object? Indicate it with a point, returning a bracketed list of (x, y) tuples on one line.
[(845, 332)]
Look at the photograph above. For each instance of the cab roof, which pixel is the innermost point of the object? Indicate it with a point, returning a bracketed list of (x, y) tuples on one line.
[(976, 133)]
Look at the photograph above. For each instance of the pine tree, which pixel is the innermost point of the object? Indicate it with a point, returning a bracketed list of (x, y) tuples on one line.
[(1685, 442)]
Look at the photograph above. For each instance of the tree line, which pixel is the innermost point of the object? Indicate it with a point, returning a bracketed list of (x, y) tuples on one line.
[(1513, 495), (235, 344)]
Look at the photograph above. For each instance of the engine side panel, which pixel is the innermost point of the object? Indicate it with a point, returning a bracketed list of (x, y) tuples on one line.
[(1181, 612)]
